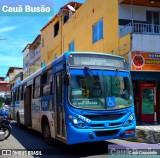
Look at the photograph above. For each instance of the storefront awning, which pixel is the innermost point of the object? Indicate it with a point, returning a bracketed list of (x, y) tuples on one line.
[(145, 76)]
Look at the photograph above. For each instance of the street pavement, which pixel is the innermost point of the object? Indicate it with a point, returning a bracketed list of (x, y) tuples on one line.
[(24, 139)]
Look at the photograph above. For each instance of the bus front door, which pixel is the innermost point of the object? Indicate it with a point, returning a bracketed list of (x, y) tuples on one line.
[(59, 107)]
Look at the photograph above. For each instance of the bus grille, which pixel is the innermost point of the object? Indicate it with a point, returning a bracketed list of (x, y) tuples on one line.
[(104, 117), (106, 133), (97, 125)]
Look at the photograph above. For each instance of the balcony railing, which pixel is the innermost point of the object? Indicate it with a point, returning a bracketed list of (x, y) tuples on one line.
[(140, 28)]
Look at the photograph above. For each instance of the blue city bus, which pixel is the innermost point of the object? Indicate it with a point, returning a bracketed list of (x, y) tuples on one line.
[(79, 97)]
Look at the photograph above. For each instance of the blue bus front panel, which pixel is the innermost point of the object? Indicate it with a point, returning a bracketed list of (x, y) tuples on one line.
[(75, 135), (99, 126)]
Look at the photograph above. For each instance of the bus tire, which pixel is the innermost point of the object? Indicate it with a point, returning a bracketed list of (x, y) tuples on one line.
[(46, 132), (18, 120)]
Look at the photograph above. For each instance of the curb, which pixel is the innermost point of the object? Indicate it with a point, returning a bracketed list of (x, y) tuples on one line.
[(147, 135)]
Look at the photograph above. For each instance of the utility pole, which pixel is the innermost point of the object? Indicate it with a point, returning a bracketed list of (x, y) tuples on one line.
[(132, 15), (3, 39)]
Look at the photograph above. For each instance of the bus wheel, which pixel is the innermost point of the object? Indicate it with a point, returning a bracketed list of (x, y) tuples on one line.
[(18, 121), (46, 132)]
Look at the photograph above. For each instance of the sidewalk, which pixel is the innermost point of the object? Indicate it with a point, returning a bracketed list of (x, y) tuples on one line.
[(147, 133)]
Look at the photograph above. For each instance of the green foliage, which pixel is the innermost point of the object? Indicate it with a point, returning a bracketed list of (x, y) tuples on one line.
[(5, 101)]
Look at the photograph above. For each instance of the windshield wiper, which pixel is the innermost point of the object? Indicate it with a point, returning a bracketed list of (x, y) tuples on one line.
[(96, 77), (117, 70), (89, 70)]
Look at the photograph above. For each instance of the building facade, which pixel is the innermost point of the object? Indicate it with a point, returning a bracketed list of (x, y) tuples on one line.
[(4, 87), (35, 55), (31, 57), (51, 34), (93, 26), (12, 72), (139, 32), (26, 61)]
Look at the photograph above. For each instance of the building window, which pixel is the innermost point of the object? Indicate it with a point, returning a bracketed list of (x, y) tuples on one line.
[(42, 42), (97, 31), (56, 29), (153, 21), (71, 46), (65, 19)]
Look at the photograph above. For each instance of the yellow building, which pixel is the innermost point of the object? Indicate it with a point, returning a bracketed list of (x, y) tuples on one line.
[(50, 40), (93, 26), (12, 72)]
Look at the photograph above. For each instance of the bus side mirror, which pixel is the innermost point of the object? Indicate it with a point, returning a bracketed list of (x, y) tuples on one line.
[(67, 79)]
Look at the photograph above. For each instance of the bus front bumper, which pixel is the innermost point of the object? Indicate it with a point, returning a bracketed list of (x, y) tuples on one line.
[(78, 135)]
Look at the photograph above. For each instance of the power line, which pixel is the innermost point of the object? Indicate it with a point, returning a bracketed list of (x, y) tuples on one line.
[(3, 39)]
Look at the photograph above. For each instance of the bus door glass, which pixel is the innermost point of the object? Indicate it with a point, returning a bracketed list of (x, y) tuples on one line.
[(27, 105), (60, 110)]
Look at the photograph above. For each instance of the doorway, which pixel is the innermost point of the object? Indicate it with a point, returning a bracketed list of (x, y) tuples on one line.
[(147, 102), (60, 109)]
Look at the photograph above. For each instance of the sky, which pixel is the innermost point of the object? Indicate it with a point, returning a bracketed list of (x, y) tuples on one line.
[(18, 32)]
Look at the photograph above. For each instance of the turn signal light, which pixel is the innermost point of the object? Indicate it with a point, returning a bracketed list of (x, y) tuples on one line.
[(131, 131)]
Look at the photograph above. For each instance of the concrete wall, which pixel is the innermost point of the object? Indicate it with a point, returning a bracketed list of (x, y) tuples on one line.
[(125, 46), (145, 43)]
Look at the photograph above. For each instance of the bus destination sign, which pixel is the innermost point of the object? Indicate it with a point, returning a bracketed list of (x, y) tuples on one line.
[(96, 60)]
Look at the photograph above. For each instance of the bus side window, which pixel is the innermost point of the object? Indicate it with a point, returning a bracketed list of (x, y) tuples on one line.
[(14, 95), (47, 83), (22, 89), (21, 93), (36, 87), (50, 79), (17, 94)]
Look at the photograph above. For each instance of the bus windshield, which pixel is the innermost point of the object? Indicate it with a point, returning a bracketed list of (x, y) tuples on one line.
[(100, 92)]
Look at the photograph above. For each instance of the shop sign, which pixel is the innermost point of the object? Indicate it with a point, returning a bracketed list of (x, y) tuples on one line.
[(145, 61)]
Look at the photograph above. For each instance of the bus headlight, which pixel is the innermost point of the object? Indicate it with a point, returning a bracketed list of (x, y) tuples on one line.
[(129, 120), (131, 117), (77, 122)]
